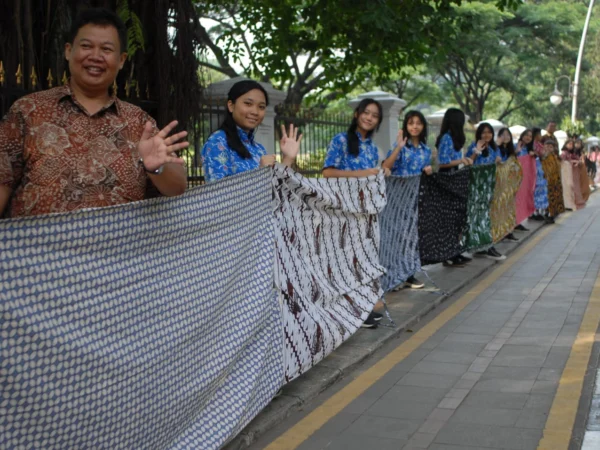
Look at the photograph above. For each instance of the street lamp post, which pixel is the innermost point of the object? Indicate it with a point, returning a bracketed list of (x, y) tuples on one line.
[(557, 96)]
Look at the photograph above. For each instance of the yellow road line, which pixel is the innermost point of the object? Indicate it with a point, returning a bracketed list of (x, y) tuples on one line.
[(296, 435), (561, 419)]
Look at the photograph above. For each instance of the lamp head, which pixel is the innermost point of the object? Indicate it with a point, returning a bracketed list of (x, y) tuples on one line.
[(556, 97)]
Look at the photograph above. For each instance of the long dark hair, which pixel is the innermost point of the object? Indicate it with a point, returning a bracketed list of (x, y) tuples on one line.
[(353, 144), (453, 123), (507, 150), (229, 126), (482, 126), (409, 115), (529, 146)]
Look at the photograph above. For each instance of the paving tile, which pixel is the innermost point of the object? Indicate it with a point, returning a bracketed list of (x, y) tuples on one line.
[(521, 356), (428, 380), (460, 347), (544, 387), (557, 358), (362, 442), (409, 410), (505, 385), (383, 427), (550, 374), (420, 440), (483, 399), (440, 414), (484, 416), (435, 446), (489, 436), (539, 401), (511, 373), (416, 394), (450, 357), (432, 426), (440, 368), (450, 403), (469, 338), (532, 418)]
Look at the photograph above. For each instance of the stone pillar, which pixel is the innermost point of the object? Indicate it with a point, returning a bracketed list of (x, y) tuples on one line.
[(265, 134), (392, 106)]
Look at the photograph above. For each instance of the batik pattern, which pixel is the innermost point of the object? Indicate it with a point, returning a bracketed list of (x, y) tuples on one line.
[(552, 169), (328, 270), (503, 208), (481, 193), (442, 215), (399, 223), (150, 325), (540, 197), (525, 205)]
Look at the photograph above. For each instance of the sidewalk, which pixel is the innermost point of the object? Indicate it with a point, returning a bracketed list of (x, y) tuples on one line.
[(406, 307)]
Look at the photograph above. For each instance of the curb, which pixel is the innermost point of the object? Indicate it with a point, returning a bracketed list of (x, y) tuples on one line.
[(347, 357)]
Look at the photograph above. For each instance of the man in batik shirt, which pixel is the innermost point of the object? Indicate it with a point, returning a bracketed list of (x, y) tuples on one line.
[(76, 146)]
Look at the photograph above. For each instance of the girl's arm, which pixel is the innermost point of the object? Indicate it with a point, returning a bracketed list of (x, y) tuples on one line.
[(389, 162)]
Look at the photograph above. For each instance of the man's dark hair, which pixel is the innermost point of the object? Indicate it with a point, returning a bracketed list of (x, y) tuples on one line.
[(101, 17)]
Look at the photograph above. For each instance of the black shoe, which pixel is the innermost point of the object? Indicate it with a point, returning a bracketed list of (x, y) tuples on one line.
[(376, 316), (413, 283), (521, 228), (370, 322), (454, 262), (464, 259), (537, 217), (511, 237), (549, 220), (492, 253), (481, 253)]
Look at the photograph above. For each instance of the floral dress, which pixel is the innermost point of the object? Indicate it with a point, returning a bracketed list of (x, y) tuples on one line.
[(540, 196), (480, 160)]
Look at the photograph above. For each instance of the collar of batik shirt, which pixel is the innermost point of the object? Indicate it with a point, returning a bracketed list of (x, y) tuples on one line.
[(246, 137), (411, 146), (368, 140), (64, 92)]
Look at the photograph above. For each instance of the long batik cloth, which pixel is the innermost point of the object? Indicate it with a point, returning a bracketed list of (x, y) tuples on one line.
[(503, 208), (399, 222), (328, 267), (584, 181), (540, 197), (552, 170), (442, 215), (525, 204), (148, 325), (481, 192), (566, 171)]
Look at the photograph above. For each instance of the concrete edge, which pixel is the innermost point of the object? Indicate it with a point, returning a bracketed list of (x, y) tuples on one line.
[(280, 409)]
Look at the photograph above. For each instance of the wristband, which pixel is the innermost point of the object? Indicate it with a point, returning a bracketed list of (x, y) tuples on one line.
[(157, 171)]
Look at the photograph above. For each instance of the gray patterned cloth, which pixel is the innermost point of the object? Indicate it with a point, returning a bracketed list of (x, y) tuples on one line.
[(151, 325), (327, 261), (399, 223)]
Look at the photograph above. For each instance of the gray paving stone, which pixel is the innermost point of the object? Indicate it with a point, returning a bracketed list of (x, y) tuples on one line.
[(532, 418), (544, 387), (435, 446), (409, 410), (461, 347), (419, 441), (505, 385), (484, 416), (557, 358), (489, 436), (531, 340), (440, 368), (511, 373), (539, 401), (521, 356), (450, 357), (469, 338), (362, 442), (483, 399), (550, 375), (383, 427), (428, 380), (415, 394)]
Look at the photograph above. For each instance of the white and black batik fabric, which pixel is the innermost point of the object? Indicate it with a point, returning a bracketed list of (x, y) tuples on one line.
[(150, 325), (442, 215), (399, 250), (327, 261)]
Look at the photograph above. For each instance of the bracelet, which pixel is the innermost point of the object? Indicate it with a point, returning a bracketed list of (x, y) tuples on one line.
[(157, 171)]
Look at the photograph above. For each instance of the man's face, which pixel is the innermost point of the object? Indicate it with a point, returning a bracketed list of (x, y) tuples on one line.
[(551, 128), (95, 56)]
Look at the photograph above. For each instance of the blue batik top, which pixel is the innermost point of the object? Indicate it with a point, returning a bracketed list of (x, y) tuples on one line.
[(446, 151), (480, 160), (221, 161), (338, 157), (411, 160)]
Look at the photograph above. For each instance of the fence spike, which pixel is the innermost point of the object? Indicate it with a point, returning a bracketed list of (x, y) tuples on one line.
[(33, 78), (137, 89), (115, 87), (64, 79), (2, 76), (49, 79), (19, 75), (127, 88)]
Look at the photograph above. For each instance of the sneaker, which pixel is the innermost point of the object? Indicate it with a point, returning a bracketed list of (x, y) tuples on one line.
[(376, 316), (413, 283), (537, 217), (511, 237), (521, 228), (483, 253), (492, 253), (549, 220), (464, 259), (453, 263), (370, 322)]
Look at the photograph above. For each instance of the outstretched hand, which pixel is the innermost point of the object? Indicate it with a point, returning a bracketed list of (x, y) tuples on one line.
[(160, 149), (289, 144)]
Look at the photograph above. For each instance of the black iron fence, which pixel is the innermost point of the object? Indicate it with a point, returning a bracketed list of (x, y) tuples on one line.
[(317, 127)]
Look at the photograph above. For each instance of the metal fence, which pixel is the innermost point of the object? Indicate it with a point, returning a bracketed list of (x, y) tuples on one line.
[(317, 127)]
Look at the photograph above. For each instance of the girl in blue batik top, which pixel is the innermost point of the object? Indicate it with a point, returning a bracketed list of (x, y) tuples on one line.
[(232, 149), (410, 157), (449, 144), (353, 153), (485, 151)]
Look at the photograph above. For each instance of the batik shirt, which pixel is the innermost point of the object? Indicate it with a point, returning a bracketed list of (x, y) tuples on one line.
[(480, 160), (338, 157), (446, 151), (411, 160), (56, 157), (219, 160)]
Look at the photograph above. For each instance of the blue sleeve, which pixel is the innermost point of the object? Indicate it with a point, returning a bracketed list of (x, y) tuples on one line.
[(428, 156), (471, 149), (215, 158), (445, 149), (335, 152)]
